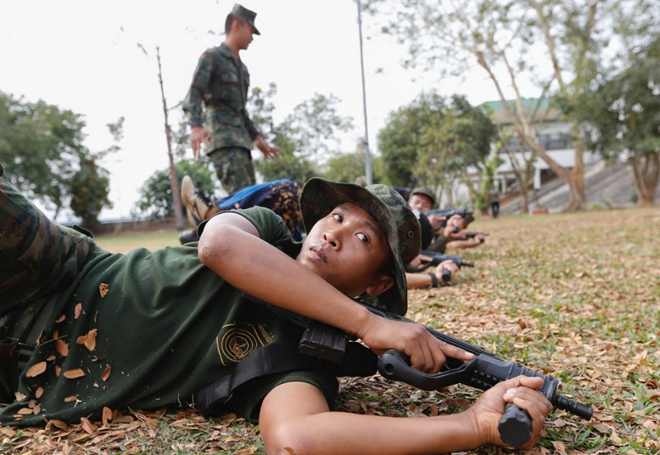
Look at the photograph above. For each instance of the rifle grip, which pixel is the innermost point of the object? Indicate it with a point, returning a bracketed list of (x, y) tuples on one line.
[(515, 426), (446, 276)]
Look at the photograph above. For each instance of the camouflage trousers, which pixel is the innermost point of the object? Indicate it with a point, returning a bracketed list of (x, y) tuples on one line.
[(38, 258), (234, 168)]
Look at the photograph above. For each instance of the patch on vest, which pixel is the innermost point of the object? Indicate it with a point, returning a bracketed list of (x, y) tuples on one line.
[(236, 341)]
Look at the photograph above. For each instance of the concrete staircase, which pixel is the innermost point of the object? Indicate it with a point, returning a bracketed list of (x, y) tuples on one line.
[(607, 186)]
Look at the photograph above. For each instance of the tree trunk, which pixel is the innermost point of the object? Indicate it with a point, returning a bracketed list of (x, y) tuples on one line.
[(646, 170), (174, 180)]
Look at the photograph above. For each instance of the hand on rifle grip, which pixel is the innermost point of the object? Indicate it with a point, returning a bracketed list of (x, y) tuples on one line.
[(515, 426), (446, 276)]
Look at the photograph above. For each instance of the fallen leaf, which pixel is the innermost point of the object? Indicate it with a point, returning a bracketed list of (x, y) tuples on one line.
[(106, 373), (71, 398), (39, 392), (74, 374), (77, 311), (56, 423), (36, 369), (103, 289), (89, 339), (62, 347), (25, 411), (107, 416), (88, 426), (19, 396), (559, 447), (602, 428), (60, 319), (650, 425)]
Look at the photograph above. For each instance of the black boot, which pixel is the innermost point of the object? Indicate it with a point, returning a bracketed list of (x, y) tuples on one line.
[(187, 236)]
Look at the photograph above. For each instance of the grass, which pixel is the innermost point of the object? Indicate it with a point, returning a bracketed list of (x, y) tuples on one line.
[(124, 242), (576, 296)]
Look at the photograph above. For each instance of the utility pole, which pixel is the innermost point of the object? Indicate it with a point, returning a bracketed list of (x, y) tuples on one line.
[(367, 156)]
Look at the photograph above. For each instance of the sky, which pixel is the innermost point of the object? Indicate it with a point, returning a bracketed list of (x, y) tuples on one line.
[(83, 56)]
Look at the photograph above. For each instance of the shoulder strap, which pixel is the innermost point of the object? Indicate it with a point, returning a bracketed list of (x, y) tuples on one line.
[(280, 358)]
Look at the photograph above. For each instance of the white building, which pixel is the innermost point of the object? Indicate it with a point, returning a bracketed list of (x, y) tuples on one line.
[(551, 132)]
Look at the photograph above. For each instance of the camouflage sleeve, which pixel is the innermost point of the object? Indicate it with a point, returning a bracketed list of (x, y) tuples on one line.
[(252, 130), (192, 104)]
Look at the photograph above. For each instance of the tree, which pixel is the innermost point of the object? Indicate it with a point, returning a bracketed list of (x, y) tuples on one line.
[(400, 140), (307, 137), (289, 165), (505, 38), (345, 168), (90, 190), (625, 114), (42, 146), (435, 141), (156, 199)]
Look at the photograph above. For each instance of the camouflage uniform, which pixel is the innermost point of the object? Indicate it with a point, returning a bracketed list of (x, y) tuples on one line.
[(38, 258), (220, 85)]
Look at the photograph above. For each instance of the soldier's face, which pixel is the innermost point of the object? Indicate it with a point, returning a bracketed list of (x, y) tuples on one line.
[(347, 249), (420, 203), (244, 32)]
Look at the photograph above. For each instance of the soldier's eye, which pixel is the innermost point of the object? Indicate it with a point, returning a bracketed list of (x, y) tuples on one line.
[(338, 217)]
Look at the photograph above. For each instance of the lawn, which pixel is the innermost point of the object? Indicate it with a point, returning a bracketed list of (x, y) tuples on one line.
[(576, 296)]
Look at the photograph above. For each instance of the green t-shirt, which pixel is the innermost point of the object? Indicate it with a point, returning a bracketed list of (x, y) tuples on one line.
[(166, 327)]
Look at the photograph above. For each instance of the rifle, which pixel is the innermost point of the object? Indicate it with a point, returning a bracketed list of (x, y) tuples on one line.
[(437, 258), (483, 372), (448, 213), (473, 234)]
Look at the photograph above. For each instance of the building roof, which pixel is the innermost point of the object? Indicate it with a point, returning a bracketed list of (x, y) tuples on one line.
[(545, 111)]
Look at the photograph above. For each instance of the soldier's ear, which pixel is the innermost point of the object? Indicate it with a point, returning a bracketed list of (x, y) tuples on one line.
[(382, 284)]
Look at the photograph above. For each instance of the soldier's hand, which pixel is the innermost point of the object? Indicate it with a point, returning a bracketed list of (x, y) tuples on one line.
[(199, 136), (268, 151), (446, 265)]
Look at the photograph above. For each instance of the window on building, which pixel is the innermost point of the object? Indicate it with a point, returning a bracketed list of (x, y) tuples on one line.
[(554, 141)]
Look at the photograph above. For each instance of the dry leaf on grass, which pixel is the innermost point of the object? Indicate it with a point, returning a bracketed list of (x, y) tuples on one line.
[(77, 310), (88, 426)]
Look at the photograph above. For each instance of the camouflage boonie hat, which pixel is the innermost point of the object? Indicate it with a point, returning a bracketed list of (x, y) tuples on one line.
[(398, 223), (424, 191), (245, 14)]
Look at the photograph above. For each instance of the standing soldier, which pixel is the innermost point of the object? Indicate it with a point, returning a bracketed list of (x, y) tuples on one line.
[(216, 107)]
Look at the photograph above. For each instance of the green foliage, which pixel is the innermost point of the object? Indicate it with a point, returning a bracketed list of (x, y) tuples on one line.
[(288, 166), (306, 137), (487, 183), (156, 199), (624, 111), (433, 140), (345, 168), (90, 189), (42, 148)]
